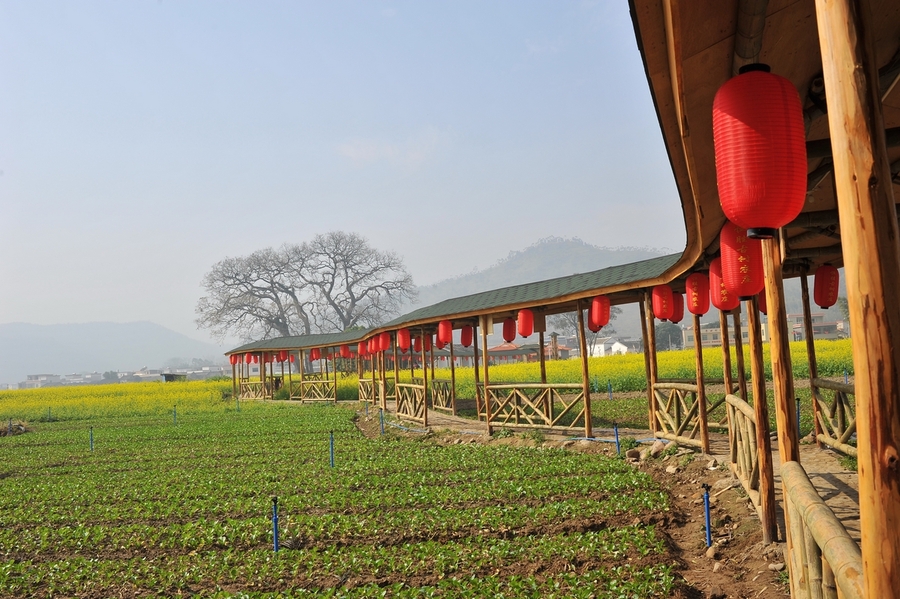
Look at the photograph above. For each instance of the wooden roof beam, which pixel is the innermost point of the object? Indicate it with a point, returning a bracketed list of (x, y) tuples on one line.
[(821, 148)]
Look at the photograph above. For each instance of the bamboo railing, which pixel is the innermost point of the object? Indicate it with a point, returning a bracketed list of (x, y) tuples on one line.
[(254, 390), (677, 412), (824, 558), (442, 395), (367, 390), (744, 451), (411, 404), (837, 419), (531, 405)]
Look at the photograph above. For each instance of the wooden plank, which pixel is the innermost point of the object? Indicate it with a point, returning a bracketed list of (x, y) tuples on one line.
[(687, 387)]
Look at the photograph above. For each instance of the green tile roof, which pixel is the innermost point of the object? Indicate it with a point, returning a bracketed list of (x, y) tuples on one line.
[(536, 294)]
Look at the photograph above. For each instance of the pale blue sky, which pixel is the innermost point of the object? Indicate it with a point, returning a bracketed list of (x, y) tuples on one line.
[(142, 141)]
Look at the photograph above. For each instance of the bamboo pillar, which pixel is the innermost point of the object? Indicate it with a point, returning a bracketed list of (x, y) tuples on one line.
[(302, 366), (290, 377), (452, 378), (424, 384), (487, 393), (475, 368), (382, 379), (761, 411), (431, 359), (542, 358), (585, 375), (396, 369), (726, 353), (810, 355), (868, 220), (739, 352), (649, 332), (701, 386), (233, 381)]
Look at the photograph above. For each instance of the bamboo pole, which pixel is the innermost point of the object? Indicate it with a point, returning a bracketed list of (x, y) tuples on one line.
[(487, 393), (477, 376), (761, 412), (585, 374), (649, 334), (701, 385), (739, 352), (233, 381), (542, 358), (302, 367), (729, 383), (424, 384), (396, 368), (810, 354), (334, 359), (869, 234), (452, 379)]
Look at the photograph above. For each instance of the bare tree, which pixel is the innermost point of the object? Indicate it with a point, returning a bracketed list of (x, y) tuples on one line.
[(332, 283), (355, 284), (567, 324)]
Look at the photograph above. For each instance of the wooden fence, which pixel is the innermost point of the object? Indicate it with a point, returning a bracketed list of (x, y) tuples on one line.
[(254, 390), (837, 418), (535, 405), (411, 402), (824, 558), (744, 451), (442, 396)]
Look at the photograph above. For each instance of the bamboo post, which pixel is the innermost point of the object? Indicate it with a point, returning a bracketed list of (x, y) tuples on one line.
[(477, 376), (726, 353), (869, 234), (542, 358), (382, 375), (811, 355), (761, 411), (487, 392), (739, 352), (431, 359), (290, 377), (302, 367), (396, 368), (649, 337), (585, 374), (701, 386), (424, 384), (452, 379), (233, 381)]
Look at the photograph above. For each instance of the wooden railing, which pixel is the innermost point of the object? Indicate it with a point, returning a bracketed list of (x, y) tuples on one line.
[(531, 405), (411, 403), (837, 419), (367, 391), (744, 451), (254, 390), (677, 412), (824, 558), (313, 390), (441, 395)]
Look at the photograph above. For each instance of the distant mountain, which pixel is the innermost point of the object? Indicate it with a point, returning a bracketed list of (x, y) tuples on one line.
[(548, 258), (93, 347)]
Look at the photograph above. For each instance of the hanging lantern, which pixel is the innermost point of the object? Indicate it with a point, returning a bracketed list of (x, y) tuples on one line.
[(256, 358), (403, 339), (825, 289), (742, 266), (663, 306), (315, 354), (345, 352), (509, 330), (466, 335), (438, 343), (719, 295), (427, 342), (293, 358), (361, 349), (760, 145), (417, 345), (678, 311), (762, 302), (593, 327), (445, 331), (384, 341), (697, 290), (598, 316), (526, 323), (283, 355), (248, 358), (232, 359)]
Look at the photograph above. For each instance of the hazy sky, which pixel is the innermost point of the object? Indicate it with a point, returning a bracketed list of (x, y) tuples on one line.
[(143, 141)]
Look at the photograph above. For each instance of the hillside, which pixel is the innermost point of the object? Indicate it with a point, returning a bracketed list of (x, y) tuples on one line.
[(96, 346)]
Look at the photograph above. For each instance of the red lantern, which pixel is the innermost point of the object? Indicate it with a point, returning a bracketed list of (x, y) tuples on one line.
[(760, 144), (598, 316), (526, 323), (439, 344), (384, 341), (345, 351), (678, 311), (427, 342), (762, 302), (417, 345), (256, 358), (283, 355), (742, 267), (445, 332), (825, 289), (248, 358), (232, 359), (593, 328), (292, 358), (315, 354), (361, 349), (697, 290), (403, 339), (721, 298), (509, 330), (466, 335), (663, 305)]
